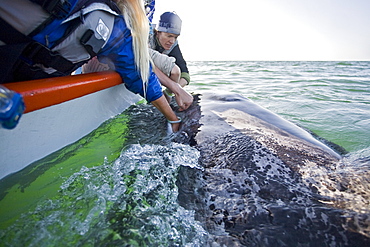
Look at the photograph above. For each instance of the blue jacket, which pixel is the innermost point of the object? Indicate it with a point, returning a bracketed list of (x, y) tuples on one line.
[(119, 50), (118, 47)]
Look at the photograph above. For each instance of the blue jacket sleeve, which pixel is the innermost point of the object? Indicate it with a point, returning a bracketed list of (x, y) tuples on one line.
[(120, 50)]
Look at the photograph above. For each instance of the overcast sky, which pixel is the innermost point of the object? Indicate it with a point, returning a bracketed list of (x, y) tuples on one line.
[(272, 29)]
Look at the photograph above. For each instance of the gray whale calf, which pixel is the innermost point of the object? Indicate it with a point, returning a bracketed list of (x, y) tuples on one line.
[(267, 182)]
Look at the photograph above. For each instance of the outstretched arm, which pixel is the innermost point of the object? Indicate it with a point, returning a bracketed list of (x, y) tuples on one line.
[(162, 105), (119, 50), (183, 98)]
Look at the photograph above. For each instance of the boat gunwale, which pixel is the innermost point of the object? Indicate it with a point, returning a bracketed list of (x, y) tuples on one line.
[(42, 93)]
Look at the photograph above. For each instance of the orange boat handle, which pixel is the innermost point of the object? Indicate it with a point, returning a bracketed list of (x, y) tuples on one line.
[(38, 94)]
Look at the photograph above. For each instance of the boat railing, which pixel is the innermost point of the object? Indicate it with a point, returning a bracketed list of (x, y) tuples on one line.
[(41, 93)]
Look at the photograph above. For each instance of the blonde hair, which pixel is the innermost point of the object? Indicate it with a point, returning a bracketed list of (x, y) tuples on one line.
[(136, 20)]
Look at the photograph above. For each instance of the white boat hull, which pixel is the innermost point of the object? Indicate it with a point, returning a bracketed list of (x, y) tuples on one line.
[(44, 131)]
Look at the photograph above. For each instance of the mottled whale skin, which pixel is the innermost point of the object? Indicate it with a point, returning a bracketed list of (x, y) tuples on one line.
[(266, 182)]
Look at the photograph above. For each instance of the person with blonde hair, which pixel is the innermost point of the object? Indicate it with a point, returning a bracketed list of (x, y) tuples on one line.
[(68, 33)]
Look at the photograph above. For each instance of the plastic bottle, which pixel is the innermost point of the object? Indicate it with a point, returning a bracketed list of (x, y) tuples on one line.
[(11, 108)]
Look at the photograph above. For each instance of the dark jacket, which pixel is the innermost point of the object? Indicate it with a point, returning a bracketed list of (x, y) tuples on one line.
[(174, 52)]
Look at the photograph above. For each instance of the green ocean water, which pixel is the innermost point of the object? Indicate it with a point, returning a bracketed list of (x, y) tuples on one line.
[(117, 186), (114, 187), (332, 99)]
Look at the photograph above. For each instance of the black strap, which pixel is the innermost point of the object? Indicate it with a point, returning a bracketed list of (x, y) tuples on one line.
[(33, 52), (91, 43), (39, 54)]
